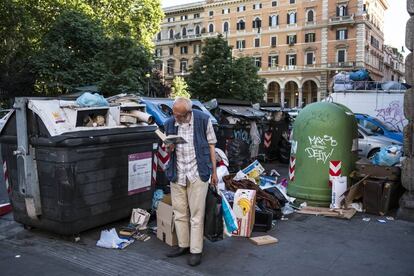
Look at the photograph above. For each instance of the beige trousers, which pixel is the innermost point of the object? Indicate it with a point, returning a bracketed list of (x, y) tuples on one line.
[(188, 204)]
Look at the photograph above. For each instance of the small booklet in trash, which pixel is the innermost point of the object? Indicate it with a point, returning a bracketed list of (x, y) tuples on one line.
[(254, 170), (170, 139)]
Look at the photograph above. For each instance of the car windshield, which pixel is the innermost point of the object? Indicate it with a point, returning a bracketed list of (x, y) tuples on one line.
[(386, 127), (366, 131)]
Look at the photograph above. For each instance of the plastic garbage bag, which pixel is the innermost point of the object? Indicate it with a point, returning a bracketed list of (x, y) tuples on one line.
[(287, 209), (359, 75), (229, 217), (388, 156), (110, 239), (156, 198), (221, 172), (87, 99), (213, 218)]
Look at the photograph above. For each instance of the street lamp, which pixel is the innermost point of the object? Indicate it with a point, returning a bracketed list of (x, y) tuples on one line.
[(148, 75)]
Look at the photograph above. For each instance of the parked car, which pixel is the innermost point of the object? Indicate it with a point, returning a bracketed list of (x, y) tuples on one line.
[(370, 143), (378, 127)]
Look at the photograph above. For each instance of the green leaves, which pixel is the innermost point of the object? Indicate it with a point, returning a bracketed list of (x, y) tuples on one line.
[(218, 75), (179, 88)]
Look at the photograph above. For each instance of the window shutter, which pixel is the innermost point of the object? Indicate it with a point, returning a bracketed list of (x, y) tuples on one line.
[(314, 37), (269, 59), (346, 34), (306, 37), (287, 20), (260, 5), (287, 59), (337, 35), (294, 39), (337, 11), (277, 60), (270, 21), (295, 17), (277, 20), (253, 24), (237, 9), (287, 39)]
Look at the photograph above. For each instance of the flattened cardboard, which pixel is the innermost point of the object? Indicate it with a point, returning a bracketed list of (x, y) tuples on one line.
[(244, 210), (165, 223), (262, 240), (321, 211)]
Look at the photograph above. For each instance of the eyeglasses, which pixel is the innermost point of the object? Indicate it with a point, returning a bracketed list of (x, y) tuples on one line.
[(178, 115)]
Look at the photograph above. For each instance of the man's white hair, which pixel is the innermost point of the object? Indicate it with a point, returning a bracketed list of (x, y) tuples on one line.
[(182, 100)]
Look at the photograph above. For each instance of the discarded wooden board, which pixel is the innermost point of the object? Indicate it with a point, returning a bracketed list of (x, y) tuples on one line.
[(262, 240), (327, 212)]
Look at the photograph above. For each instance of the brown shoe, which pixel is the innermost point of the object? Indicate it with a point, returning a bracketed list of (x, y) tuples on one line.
[(194, 259), (177, 252)]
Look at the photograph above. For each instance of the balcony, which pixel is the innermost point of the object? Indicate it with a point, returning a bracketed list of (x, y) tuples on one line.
[(347, 64), (341, 20)]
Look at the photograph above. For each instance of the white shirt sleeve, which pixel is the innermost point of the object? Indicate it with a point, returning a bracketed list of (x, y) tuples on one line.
[(211, 136)]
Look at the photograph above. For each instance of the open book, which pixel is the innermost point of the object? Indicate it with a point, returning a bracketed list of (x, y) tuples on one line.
[(170, 139)]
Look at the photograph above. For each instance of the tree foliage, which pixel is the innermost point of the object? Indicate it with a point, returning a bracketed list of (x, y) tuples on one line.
[(53, 45), (218, 75), (179, 88)]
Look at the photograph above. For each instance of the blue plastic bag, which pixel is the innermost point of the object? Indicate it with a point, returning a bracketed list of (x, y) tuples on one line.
[(157, 197), (229, 217), (388, 156), (87, 100)]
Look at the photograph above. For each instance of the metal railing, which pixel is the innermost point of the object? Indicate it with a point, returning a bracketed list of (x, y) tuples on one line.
[(341, 19)]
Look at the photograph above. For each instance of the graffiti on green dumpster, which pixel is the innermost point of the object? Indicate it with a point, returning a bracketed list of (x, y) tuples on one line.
[(321, 148)]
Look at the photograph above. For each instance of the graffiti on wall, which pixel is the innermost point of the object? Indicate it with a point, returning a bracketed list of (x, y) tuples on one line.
[(242, 134), (321, 148), (392, 115)]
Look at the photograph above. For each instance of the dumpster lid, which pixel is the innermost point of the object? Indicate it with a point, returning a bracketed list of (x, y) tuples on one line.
[(61, 116), (243, 111)]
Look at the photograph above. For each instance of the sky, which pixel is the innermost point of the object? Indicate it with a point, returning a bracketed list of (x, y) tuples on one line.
[(395, 20)]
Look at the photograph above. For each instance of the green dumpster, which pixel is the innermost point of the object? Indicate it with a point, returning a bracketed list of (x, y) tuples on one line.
[(324, 144)]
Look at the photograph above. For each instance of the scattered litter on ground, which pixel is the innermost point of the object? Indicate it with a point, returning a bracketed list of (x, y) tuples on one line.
[(262, 240), (366, 219), (110, 239), (389, 218), (303, 205), (382, 221), (17, 256), (357, 206), (287, 209), (321, 211), (283, 218)]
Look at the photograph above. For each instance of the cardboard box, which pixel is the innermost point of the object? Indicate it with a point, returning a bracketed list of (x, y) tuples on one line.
[(262, 240), (244, 208), (165, 222)]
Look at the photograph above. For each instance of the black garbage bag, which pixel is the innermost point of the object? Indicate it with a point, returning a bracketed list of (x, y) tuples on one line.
[(213, 219), (238, 154)]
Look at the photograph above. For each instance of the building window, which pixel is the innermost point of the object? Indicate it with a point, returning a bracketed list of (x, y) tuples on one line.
[(273, 20), (183, 66), (310, 37), (257, 42), (184, 17), (184, 31), (241, 25), (225, 11), (310, 59), (291, 39), (291, 18), (159, 36), (197, 30), (210, 13), (274, 3), (241, 44), (184, 50), (258, 62), (197, 49), (342, 34), (170, 67), (211, 28), (292, 1), (171, 34), (342, 10), (310, 16), (273, 41), (257, 6), (341, 55), (257, 23), (374, 42), (291, 59), (171, 51), (225, 27), (196, 15), (158, 52), (273, 61), (171, 19), (241, 8)]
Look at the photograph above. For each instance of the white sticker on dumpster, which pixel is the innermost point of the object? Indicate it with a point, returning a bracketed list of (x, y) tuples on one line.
[(139, 172)]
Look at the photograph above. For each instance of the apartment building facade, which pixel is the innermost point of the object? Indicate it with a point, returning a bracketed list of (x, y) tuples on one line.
[(298, 45), (394, 68)]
